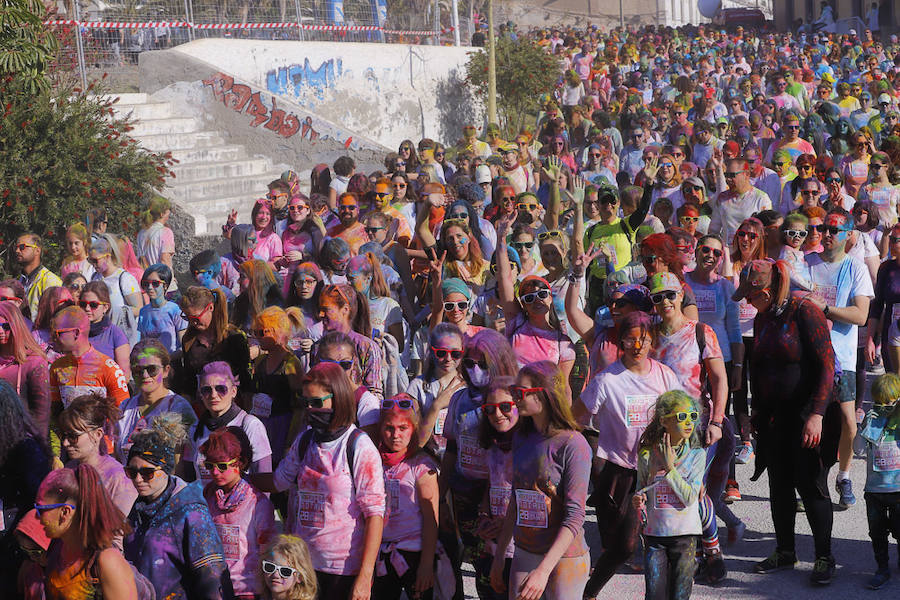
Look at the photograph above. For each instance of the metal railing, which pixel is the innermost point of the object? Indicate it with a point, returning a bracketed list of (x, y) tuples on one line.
[(106, 44)]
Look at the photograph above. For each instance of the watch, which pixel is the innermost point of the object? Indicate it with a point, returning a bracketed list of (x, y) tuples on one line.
[(574, 278), (825, 310)]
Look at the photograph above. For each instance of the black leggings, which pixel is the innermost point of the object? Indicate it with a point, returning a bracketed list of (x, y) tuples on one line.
[(739, 397), (800, 469), (335, 587), (617, 521)]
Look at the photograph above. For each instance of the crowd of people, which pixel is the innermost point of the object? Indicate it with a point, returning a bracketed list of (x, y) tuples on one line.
[(689, 262)]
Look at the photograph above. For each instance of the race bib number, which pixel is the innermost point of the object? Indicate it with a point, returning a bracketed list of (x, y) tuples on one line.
[(706, 300), (613, 258), (262, 405), (67, 393), (826, 293), (531, 509), (393, 495), (202, 472), (746, 311), (439, 423), (499, 498), (664, 497), (472, 459), (231, 540), (312, 510), (637, 410), (887, 457), (881, 198)]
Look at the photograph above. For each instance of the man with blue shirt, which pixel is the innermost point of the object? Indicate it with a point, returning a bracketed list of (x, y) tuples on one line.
[(842, 288)]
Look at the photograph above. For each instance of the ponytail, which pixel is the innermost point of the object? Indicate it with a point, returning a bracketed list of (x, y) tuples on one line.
[(155, 209), (360, 322), (379, 285), (220, 314)]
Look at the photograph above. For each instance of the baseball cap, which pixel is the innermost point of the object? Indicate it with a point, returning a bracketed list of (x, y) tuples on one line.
[(884, 99), (635, 294), (756, 276), (664, 282), (508, 148), (482, 174)]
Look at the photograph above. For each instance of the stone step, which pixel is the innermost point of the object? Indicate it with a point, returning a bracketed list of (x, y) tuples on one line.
[(215, 154), (200, 171), (250, 188), (180, 141), (134, 98), (171, 125), (210, 213), (139, 112)]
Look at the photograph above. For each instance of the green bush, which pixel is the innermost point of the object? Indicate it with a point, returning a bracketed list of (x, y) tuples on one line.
[(525, 72), (62, 153)]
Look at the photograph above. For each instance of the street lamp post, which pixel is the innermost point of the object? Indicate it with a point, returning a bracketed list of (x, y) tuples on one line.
[(492, 66)]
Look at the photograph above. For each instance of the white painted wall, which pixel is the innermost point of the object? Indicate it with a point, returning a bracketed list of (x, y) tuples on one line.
[(388, 92)]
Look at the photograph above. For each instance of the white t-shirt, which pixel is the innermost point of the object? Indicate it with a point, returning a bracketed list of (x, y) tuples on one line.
[(621, 403), (129, 285), (837, 284)]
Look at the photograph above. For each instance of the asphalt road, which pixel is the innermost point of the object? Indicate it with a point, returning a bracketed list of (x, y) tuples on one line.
[(851, 547)]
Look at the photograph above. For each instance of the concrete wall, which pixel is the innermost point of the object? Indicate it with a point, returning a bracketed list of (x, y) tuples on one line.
[(250, 115), (387, 92)]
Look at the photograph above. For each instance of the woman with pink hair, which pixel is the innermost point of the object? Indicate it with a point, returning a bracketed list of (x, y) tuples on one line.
[(24, 365)]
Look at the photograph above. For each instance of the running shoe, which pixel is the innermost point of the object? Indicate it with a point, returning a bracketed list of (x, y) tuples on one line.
[(823, 570), (732, 492), (744, 453), (715, 570), (777, 561), (844, 487)]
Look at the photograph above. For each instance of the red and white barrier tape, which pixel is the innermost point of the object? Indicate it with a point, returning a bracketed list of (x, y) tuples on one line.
[(231, 26)]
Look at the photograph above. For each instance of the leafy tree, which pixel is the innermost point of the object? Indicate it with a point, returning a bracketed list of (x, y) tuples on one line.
[(26, 46), (62, 150), (524, 73)]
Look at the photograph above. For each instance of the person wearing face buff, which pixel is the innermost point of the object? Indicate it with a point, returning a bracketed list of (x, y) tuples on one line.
[(464, 472), (333, 261), (334, 475), (174, 542), (796, 421)]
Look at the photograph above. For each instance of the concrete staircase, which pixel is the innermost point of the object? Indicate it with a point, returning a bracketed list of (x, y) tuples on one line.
[(212, 177)]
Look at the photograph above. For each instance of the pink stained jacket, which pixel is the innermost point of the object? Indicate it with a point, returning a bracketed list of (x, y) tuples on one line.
[(244, 527)]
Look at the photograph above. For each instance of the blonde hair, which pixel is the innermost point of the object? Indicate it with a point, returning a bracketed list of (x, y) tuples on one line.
[(155, 209), (293, 549), (79, 231)]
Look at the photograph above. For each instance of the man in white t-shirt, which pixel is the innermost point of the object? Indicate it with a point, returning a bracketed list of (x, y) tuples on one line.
[(842, 288), (740, 201)]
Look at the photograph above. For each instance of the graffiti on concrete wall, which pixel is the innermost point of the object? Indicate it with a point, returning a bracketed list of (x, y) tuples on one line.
[(242, 99), (293, 79)]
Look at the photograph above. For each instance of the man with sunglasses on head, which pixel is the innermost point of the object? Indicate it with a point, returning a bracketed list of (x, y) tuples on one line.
[(81, 369), (842, 288), (739, 202), (36, 278)]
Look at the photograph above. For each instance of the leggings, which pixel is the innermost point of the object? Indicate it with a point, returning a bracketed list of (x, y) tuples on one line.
[(465, 512), (669, 567), (617, 521), (566, 581), (391, 585), (719, 461), (335, 587), (739, 402), (802, 469), (883, 514)]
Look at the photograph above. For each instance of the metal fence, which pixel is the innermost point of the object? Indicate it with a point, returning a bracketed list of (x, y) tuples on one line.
[(100, 40)]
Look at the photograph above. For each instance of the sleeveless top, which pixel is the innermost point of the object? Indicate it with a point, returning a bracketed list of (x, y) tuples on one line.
[(69, 583)]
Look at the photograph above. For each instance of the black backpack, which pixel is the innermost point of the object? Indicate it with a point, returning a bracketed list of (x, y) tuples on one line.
[(306, 440)]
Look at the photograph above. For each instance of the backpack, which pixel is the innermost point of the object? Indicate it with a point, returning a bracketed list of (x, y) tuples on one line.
[(125, 319), (306, 440)]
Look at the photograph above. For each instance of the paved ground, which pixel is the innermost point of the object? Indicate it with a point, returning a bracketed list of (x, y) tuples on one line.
[(851, 545)]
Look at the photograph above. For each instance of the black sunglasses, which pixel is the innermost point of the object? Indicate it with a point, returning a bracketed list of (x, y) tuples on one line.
[(660, 296), (345, 364), (491, 408), (150, 370), (221, 389)]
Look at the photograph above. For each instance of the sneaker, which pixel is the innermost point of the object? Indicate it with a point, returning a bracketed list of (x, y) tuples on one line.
[(744, 453), (844, 488), (732, 492), (736, 533), (777, 561), (823, 570), (876, 368), (881, 577), (715, 570)]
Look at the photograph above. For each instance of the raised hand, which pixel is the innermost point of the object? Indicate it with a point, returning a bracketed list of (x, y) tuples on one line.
[(553, 169), (651, 168), (581, 262), (578, 190)]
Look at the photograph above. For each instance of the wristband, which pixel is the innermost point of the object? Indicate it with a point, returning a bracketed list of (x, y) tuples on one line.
[(716, 423), (738, 365), (825, 310), (574, 277)]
